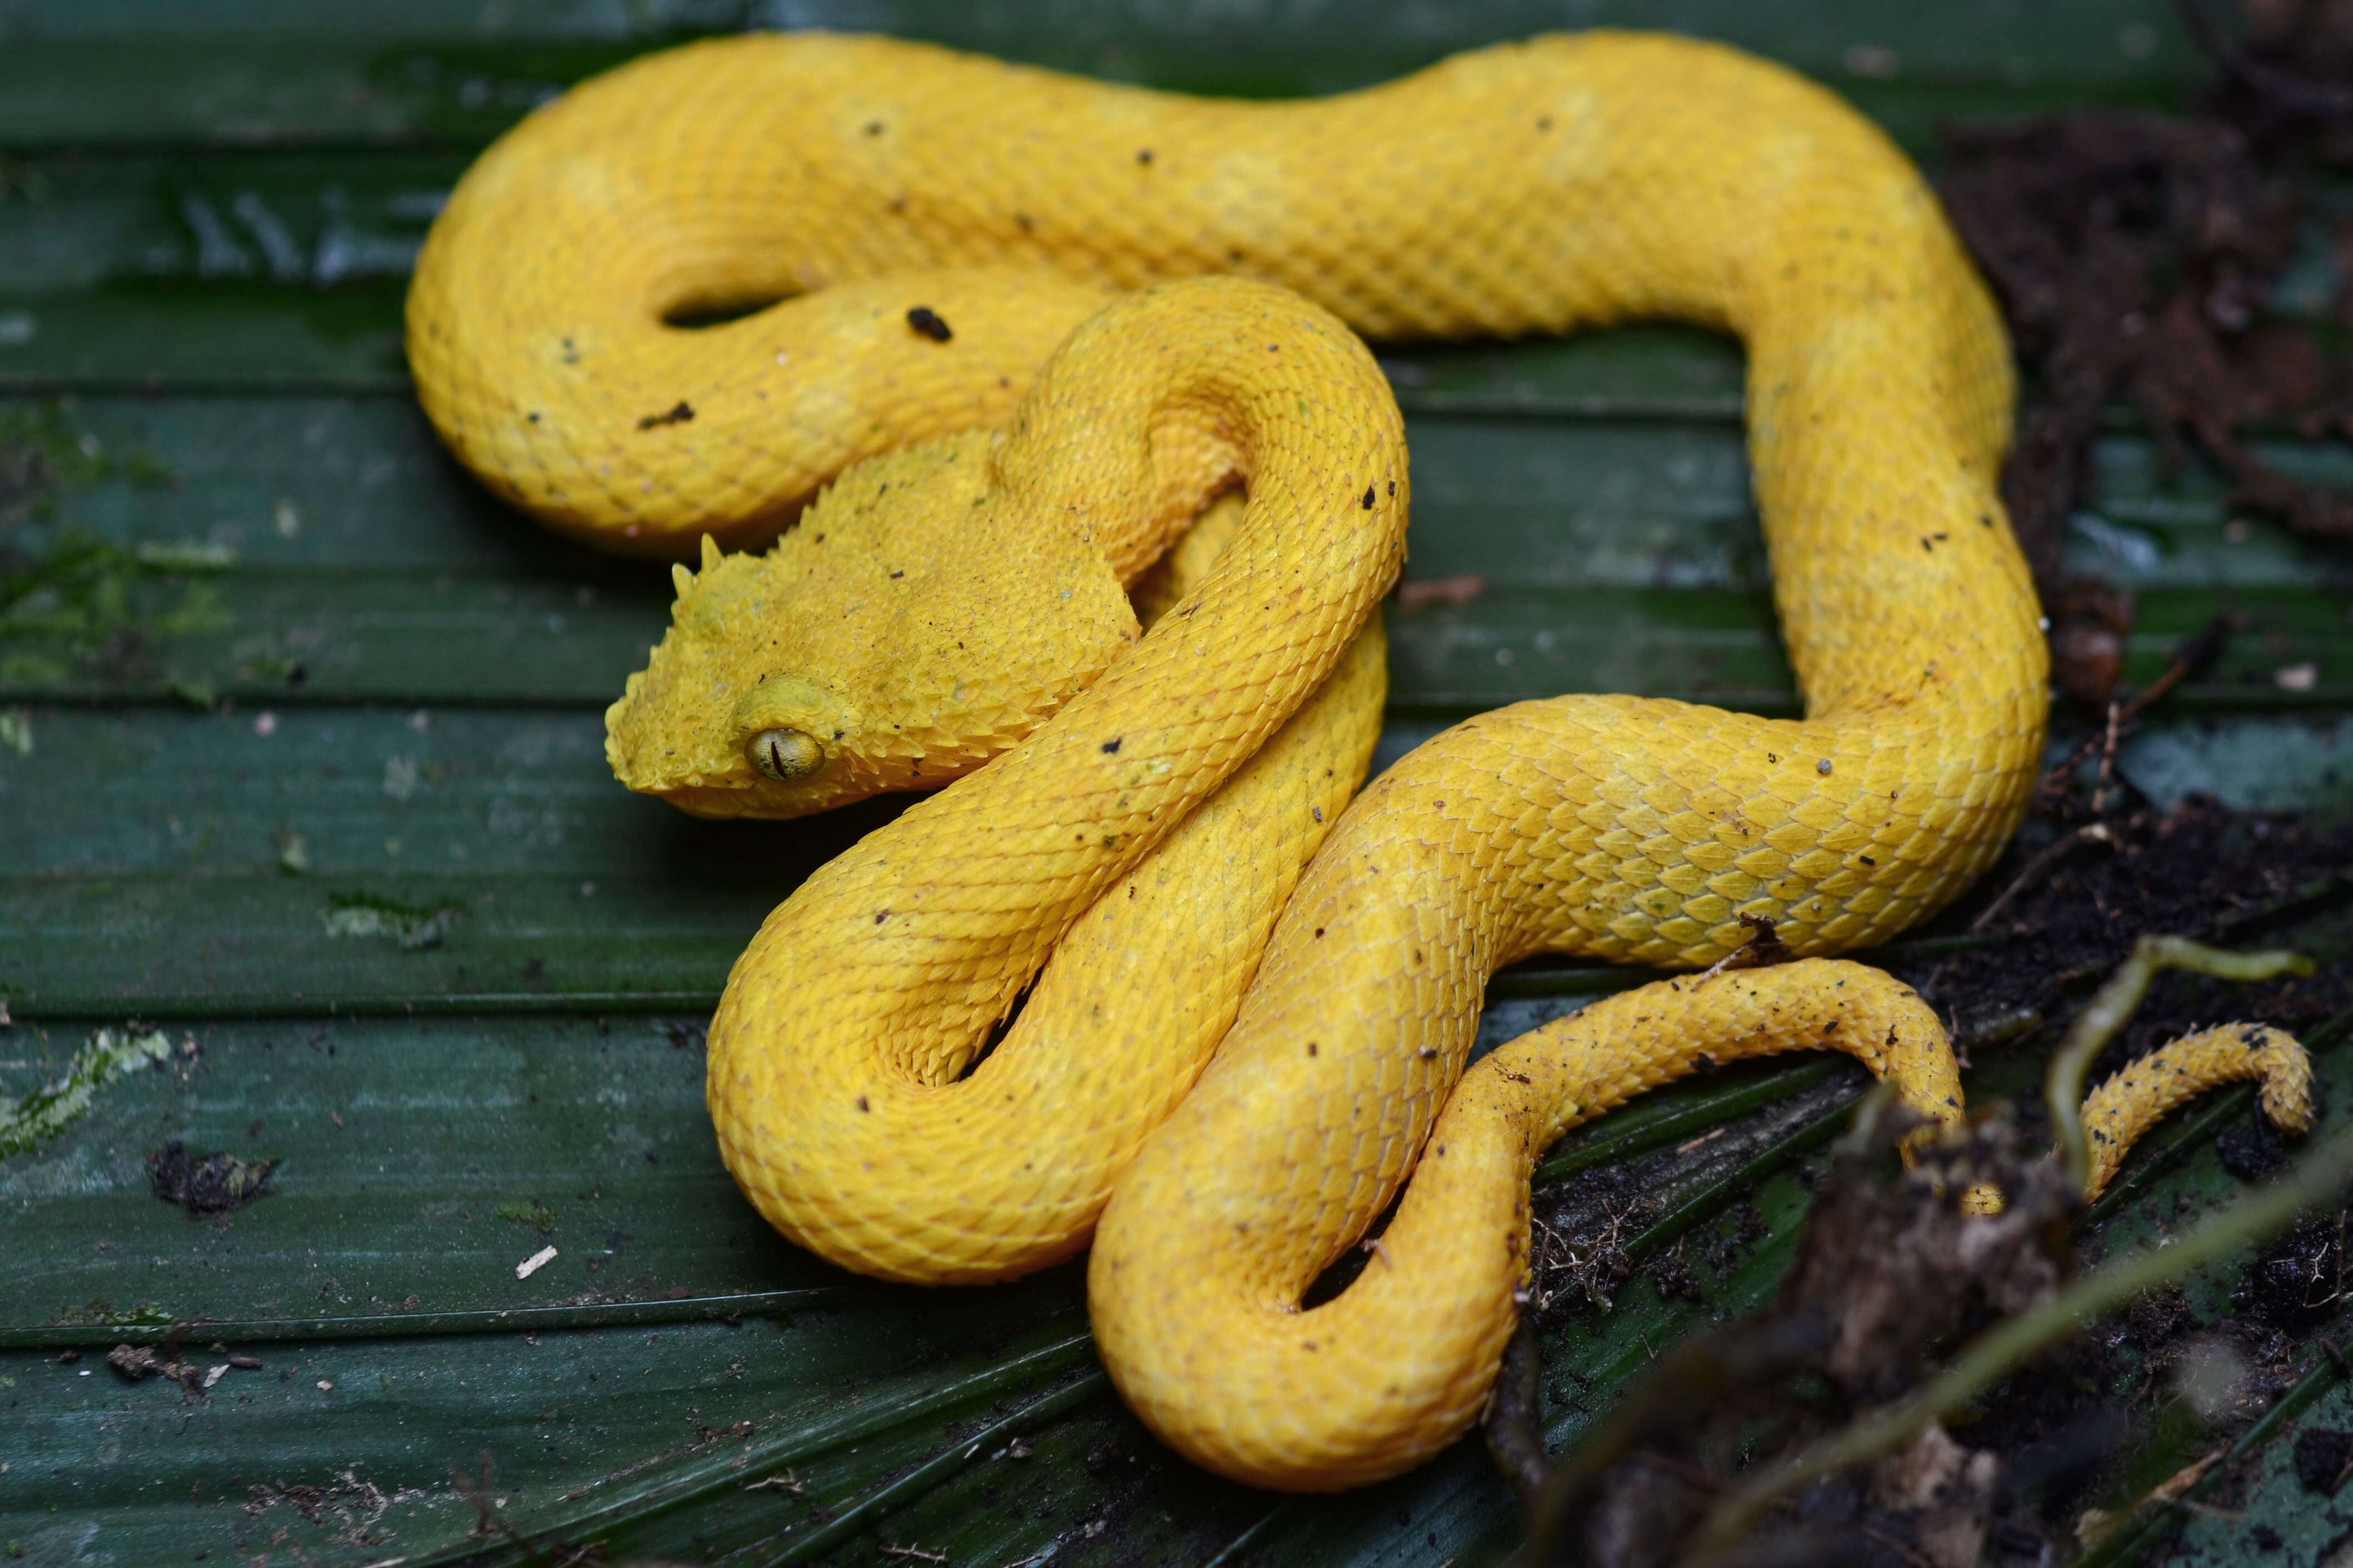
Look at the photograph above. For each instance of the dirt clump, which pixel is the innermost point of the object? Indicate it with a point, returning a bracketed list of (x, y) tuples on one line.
[(1885, 1277), (2136, 256), (206, 1184)]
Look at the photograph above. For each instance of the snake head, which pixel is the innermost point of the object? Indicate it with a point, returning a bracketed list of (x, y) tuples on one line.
[(907, 629)]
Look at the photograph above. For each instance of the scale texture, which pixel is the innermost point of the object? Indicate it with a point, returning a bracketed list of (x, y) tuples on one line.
[(839, 1054), (2125, 1105), (1535, 187), (1531, 187)]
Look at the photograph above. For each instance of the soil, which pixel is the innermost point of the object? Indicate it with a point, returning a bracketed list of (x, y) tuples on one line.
[(1884, 1277), (2231, 879), (2133, 254)]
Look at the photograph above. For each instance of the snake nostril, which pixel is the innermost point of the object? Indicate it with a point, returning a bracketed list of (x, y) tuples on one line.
[(784, 755)]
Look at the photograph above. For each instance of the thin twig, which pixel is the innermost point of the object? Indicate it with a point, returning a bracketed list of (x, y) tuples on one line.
[(2034, 870), (2188, 659), (2111, 1009), (2227, 1515), (2319, 1176), (2107, 762), (2320, 889), (485, 1513)]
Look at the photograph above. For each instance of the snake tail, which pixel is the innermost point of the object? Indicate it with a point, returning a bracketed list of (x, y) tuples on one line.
[(1225, 1366), (2122, 1110), (837, 1074), (1412, 1346)]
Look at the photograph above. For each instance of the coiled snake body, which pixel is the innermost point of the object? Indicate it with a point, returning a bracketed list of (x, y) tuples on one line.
[(949, 221)]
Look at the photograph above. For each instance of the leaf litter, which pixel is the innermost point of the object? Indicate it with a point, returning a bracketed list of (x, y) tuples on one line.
[(411, 926), (2138, 256), (206, 1184)]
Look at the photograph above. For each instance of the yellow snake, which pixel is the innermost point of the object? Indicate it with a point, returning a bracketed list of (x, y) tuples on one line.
[(936, 226)]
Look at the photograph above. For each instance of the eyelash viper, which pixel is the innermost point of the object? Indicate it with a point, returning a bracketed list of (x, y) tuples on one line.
[(935, 225)]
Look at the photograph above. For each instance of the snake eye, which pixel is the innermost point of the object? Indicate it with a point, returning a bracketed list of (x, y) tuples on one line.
[(784, 755)]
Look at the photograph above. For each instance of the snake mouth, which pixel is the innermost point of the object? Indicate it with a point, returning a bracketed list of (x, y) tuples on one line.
[(746, 791)]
